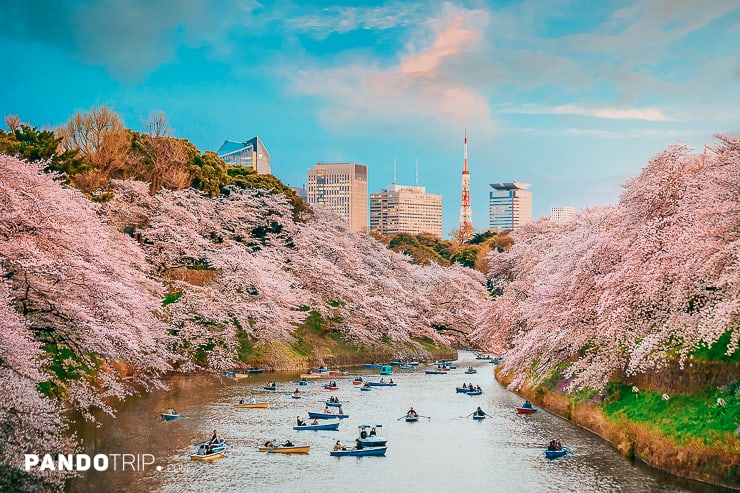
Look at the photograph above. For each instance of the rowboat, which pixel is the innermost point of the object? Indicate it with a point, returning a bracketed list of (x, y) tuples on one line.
[(252, 405), (328, 426), (406, 367), (310, 376), (359, 451), (474, 392), (525, 410), (282, 449), (170, 416), (295, 396), (256, 370), (338, 372), (207, 457), (381, 384), (372, 366), (396, 363), (327, 415), (386, 370), (412, 419), (366, 388), (479, 416), (358, 382), (554, 454), (471, 372), (330, 387), (435, 372), (462, 390), (334, 404), (270, 387), (368, 440)]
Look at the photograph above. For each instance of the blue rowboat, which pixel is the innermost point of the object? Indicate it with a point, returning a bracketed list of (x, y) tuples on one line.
[(396, 363), (366, 389), (479, 416), (270, 387), (475, 392), (372, 366), (327, 416), (386, 370), (328, 426), (555, 454), (333, 404), (368, 440), (412, 419), (462, 390), (435, 372), (293, 396), (256, 370), (406, 367), (381, 384), (360, 451), (170, 417), (471, 372)]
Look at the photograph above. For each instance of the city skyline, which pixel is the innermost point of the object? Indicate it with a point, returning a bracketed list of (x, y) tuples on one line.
[(572, 96)]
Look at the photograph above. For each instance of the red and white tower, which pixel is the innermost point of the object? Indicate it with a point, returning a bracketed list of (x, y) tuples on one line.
[(466, 214)]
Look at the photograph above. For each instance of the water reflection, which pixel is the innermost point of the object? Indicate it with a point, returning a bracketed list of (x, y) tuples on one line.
[(448, 452)]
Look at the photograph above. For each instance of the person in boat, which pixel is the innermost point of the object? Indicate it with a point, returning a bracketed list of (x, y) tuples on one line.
[(411, 413), (363, 433), (213, 439), (300, 421), (253, 401), (358, 379), (366, 385), (241, 401), (558, 445), (338, 446), (326, 410), (339, 410), (479, 412), (202, 449), (315, 422), (391, 381), (465, 385), (553, 445), (288, 443), (270, 443), (358, 444), (297, 392), (304, 379), (382, 380), (527, 405), (373, 432)]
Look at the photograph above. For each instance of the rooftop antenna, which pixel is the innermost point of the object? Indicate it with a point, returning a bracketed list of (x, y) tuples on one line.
[(417, 172)]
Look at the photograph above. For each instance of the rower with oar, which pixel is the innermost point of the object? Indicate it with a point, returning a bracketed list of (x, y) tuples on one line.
[(412, 415), (479, 414)]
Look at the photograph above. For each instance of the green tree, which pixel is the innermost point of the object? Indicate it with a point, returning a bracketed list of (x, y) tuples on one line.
[(248, 178), (209, 173)]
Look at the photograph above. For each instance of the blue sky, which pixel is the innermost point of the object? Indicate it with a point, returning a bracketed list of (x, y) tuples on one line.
[(571, 96)]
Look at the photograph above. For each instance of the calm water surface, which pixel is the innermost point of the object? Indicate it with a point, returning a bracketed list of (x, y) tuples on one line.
[(446, 453)]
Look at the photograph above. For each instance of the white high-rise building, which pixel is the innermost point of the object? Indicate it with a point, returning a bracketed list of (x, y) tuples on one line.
[(341, 187), (562, 213), (406, 209), (509, 205)]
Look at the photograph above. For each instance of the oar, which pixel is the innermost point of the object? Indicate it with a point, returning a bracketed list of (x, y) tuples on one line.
[(487, 414), (427, 417), (469, 415), (402, 417)]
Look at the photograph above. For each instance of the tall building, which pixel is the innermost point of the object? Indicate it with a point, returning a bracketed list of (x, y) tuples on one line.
[(342, 187), (510, 205), (466, 213), (406, 209), (252, 154), (562, 214)]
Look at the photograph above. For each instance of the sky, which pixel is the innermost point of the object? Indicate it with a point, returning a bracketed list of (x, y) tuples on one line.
[(571, 96)]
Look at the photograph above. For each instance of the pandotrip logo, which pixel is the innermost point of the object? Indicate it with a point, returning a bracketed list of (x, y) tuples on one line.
[(83, 462)]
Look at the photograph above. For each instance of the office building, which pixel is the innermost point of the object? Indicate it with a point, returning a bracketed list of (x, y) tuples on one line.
[(252, 154), (406, 209), (510, 205), (562, 214), (341, 187)]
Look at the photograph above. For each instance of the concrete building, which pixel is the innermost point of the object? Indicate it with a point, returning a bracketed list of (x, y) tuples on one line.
[(562, 214), (341, 187), (406, 209), (510, 205), (252, 154)]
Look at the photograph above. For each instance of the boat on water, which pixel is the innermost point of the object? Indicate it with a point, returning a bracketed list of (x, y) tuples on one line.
[(368, 439), (295, 396), (471, 371), (252, 405), (327, 415), (386, 370), (330, 387), (366, 388), (256, 370), (412, 419), (270, 387), (435, 372), (479, 416), (381, 384), (396, 363), (406, 367), (462, 390), (525, 410), (333, 404), (327, 426), (338, 372), (286, 449), (170, 416), (474, 392), (358, 381), (208, 457), (310, 376), (359, 451), (555, 454), (372, 366)]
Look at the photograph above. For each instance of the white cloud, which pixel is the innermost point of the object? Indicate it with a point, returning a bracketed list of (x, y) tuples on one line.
[(648, 114)]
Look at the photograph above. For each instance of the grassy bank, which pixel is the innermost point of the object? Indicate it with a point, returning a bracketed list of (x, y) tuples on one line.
[(688, 435)]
